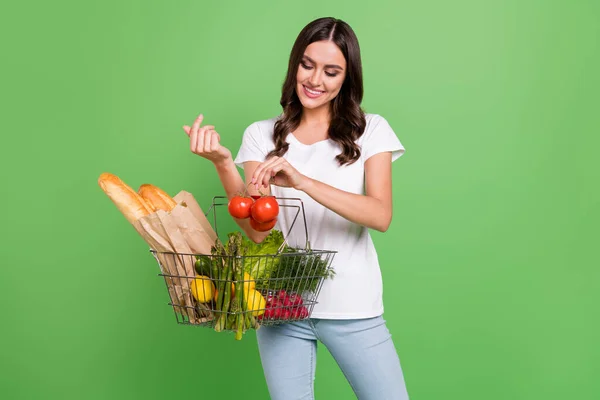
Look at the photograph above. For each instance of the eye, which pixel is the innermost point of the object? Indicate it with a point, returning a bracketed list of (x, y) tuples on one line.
[(330, 74), (305, 66)]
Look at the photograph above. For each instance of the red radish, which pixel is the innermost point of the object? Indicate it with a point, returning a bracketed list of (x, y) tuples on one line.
[(287, 302), (295, 313), (303, 313), (282, 294), (274, 303), (276, 313), (268, 314), (270, 297), (285, 314), (295, 299)]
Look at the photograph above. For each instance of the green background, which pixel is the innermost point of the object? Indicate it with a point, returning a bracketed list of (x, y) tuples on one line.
[(490, 266)]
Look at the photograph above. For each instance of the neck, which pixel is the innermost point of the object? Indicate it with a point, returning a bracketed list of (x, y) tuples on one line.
[(316, 116)]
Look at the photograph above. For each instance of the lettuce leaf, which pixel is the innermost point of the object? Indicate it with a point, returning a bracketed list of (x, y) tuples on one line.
[(260, 259)]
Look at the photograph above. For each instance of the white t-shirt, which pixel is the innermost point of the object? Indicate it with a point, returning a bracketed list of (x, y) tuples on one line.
[(356, 290)]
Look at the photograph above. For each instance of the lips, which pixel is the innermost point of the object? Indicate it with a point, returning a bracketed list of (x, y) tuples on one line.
[(313, 94)]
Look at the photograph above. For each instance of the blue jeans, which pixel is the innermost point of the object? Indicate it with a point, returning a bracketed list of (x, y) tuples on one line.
[(363, 349)]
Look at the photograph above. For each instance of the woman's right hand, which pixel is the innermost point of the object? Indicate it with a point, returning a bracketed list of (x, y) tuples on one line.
[(205, 142)]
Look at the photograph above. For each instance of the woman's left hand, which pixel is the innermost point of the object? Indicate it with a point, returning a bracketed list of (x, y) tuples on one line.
[(278, 171)]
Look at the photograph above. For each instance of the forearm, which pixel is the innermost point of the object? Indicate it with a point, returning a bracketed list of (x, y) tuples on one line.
[(230, 178), (360, 209)]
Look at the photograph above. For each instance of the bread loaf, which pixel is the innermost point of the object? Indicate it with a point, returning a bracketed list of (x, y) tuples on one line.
[(131, 204), (156, 197)]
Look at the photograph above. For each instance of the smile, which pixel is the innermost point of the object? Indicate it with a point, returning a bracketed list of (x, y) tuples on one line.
[(313, 94)]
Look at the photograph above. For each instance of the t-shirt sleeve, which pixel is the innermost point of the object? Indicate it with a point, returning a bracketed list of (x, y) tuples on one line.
[(380, 137), (252, 148)]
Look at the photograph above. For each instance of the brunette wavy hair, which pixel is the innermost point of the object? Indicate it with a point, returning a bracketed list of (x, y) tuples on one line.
[(347, 117)]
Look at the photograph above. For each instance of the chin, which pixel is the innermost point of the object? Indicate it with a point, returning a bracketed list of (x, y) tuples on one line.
[(312, 104)]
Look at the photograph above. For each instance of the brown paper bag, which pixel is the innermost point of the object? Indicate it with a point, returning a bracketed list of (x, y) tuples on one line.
[(198, 240), (163, 236), (190, 202), (176, 236)]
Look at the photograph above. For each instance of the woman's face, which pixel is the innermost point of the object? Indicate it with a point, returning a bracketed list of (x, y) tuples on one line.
[(320, 74)]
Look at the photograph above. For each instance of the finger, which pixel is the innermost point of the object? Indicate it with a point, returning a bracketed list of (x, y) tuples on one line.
[(266, 179), (258, 171), (193, 141), (207, 139), (200, 142), (283, 168), (265, 175), (214, 142), (202, 137), (260, 179), (187, 129), (197, 123), (272, 171)]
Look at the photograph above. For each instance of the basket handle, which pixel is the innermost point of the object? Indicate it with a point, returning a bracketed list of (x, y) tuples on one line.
[(216, 202)]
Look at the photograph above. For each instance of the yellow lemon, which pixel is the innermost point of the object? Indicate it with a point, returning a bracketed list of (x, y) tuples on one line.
[(202, 288), (249, 281), (255, 302), (248, 284)]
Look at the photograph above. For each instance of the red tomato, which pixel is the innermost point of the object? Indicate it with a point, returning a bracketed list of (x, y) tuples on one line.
[(265, 209), (262, 226), (239, 207)]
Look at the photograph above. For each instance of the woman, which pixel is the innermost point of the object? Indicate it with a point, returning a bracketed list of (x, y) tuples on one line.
[(325, 150)]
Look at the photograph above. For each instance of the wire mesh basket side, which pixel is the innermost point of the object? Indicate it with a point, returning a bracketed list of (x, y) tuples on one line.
[(235, 293), (286, 291)]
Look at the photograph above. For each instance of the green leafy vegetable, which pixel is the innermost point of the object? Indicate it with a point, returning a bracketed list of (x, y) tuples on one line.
[(292, 269), (260, 259), (301, 270)]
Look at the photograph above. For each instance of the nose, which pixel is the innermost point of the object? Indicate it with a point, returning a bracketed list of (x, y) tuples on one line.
[(315, 78)]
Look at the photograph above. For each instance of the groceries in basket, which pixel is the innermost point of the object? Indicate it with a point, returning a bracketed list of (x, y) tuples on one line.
[(262, 211), (231, 286)]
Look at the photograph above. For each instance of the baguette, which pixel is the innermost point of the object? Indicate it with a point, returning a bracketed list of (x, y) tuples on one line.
[(156, 197), (131, 204)]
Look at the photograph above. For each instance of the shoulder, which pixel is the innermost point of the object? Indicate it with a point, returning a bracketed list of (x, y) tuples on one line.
[(379, 137), (374, 124), (374, 121), (262, 128)]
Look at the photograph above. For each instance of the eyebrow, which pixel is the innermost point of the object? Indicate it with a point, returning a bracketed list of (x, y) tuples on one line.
[(335, 66)]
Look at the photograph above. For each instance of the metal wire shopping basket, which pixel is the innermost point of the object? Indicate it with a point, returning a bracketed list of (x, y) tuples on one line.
[(233, 291)]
